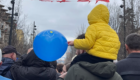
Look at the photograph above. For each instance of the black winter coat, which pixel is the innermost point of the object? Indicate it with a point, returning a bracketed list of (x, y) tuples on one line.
[(30, 67)]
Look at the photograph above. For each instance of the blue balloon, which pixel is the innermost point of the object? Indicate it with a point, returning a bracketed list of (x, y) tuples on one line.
[(50, 45)]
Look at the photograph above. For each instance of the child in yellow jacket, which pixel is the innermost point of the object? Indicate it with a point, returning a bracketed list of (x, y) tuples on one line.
[(100, 39)]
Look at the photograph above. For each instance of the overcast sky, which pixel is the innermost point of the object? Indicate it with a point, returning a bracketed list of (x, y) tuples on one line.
[(66, 17)]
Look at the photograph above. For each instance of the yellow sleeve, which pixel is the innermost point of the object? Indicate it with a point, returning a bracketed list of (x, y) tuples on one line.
[(88, 42)]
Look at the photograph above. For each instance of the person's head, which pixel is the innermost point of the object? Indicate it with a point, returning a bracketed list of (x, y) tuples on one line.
[(133, 43), (32, 60), (54, 63), (79, 51), (0, 57), (81, 36), (9, 52), (66, 67), (60, 68)]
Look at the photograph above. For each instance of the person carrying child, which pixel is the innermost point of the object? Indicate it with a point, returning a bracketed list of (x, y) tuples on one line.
[(100, 39), (101, 44)]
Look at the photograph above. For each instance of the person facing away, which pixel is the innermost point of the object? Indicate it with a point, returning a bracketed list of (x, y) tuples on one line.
[(66, 67), (101, 44), (88, 67), (129, 68), (79, 51), (9, 54), (60, 68), (30, 67), (100, 39), (1, 77)]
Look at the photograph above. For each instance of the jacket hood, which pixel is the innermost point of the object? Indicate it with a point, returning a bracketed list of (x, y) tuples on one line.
[(32, 60), (102, 69), (7, 61), (99, 14)]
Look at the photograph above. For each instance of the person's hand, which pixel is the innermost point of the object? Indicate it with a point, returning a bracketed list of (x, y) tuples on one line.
[(63, 75), (71, 43), (29, 50)]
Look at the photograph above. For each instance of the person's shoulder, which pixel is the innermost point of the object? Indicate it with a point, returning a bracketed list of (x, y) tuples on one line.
[(7, 61), (6, 65), (122, 62), (116, 77), (75, 67)]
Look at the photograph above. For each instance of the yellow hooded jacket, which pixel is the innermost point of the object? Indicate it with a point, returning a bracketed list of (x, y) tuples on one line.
[(100, 39)]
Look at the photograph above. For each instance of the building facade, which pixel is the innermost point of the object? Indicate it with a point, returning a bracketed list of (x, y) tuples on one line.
[(4, 26), (20, 35)]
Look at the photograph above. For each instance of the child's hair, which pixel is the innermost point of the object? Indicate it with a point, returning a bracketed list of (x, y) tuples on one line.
[(54, 63), (60, 67), (81, 36)]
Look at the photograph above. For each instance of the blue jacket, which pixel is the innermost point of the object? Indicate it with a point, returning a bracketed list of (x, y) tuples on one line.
[(5, 67)]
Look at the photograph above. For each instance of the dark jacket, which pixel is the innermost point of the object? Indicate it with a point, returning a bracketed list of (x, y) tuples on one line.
[(129, 68), (88, 58), (87, 69), (5, 67), (32, 68)]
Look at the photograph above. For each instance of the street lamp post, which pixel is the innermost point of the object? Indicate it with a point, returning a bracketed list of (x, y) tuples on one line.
[(34, 28), (123, 6), (10, 35), (11, 25)]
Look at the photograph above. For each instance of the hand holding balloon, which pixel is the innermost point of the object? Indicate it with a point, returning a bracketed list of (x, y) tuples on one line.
[(71, 43), (29, 50)]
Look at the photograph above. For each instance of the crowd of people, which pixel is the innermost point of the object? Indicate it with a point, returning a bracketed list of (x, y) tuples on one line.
[(96, 50)]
